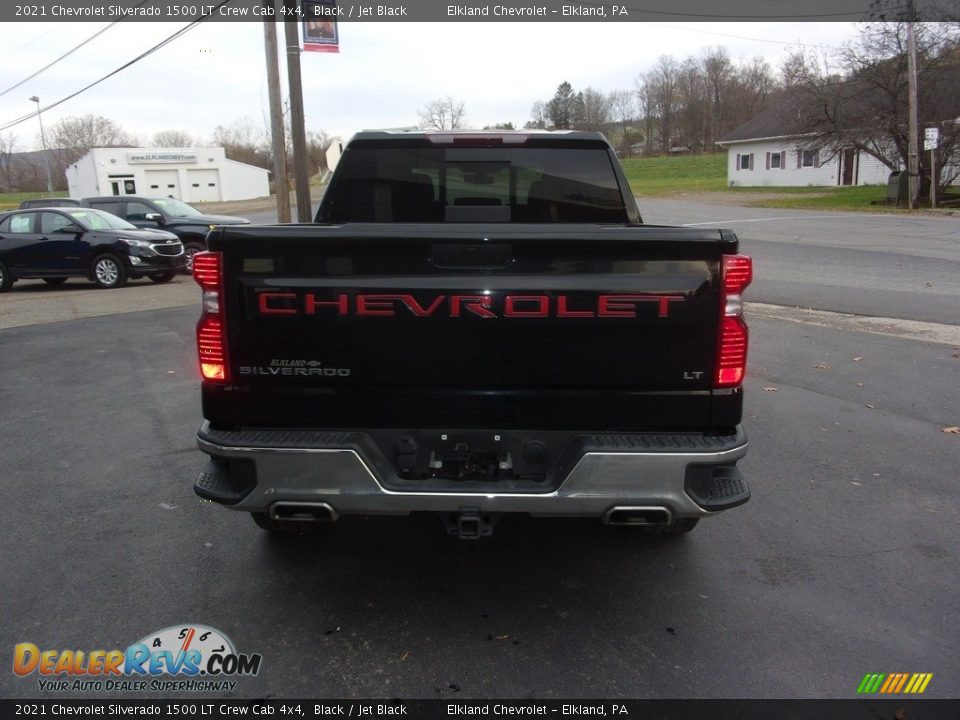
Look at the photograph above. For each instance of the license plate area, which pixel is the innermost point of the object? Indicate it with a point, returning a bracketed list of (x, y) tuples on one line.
[(461, 462)]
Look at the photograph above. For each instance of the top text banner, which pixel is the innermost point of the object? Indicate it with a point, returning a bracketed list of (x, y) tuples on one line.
[(505, 11)]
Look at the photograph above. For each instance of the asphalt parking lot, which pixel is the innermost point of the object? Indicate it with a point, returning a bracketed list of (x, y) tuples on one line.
[(846, 560)]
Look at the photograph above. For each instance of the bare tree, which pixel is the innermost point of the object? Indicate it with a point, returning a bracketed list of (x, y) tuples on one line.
[(443, 114), (244, 142), (538, 117), (645, 100), (8, 175), (663, 82), (866, 106), (76, 136), (623, 113), (693, 115), (594, 109), (718, 75), (73, 137), (173, 139)]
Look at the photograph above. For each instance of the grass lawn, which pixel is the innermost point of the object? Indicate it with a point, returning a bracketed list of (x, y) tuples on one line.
[(861, 197), (11, 201), (683, 174), (661, 176)]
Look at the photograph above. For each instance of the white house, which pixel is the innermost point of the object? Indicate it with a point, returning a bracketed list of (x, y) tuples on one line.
[(763, 152), (191, 174)]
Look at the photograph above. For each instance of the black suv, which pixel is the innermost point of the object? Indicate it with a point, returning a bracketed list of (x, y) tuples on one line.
[(48, 202), (184, 221), (57, 243)]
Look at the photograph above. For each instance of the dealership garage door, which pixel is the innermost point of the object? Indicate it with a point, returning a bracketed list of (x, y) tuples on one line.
[(162, 182), (204, 185)]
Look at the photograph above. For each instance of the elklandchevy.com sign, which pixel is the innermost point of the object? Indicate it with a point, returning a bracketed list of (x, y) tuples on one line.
[(161, 157)]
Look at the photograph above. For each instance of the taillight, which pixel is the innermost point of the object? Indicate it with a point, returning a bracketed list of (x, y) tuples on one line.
[(212, 327), (736, 273)]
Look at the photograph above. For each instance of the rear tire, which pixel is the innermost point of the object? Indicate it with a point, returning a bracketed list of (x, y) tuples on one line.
[(108, 272), (55, 280), (283, 527), (6, 282), (162, 277)]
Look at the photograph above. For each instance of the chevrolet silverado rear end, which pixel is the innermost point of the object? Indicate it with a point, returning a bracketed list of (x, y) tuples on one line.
[(475, 325)]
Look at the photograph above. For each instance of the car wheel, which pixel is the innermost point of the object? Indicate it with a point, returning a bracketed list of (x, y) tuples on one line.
[(188, 252), (55, 281), (161, 277), (284, 527), (6, 282), (108, 272)]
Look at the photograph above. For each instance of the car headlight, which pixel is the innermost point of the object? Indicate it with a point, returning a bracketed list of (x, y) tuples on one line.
[(135, 243)]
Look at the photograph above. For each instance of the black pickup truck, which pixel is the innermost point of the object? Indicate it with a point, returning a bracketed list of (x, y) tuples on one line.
[(475, 324)]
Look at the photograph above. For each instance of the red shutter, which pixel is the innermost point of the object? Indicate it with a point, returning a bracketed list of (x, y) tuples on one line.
[(768, 161), (738, 161)]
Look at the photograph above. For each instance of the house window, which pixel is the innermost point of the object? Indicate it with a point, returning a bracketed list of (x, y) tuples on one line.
[(810, 158), (775, 161), (746, 161)]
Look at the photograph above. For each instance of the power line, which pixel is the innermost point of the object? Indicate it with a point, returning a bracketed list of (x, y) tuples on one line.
[(744, 37), (66, 54), (169, 39), (28, 43)]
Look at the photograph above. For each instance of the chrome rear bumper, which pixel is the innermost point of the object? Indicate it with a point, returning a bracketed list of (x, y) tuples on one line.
[(291, 467)]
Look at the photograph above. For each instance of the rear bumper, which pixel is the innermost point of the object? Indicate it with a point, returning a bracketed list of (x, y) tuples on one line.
[(688, 475)]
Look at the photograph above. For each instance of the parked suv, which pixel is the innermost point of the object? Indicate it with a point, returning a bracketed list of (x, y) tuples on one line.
[(184, 221), (57, 243), (49, 202)]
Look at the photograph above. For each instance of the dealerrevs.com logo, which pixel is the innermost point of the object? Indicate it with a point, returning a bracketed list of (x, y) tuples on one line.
[(176, 659)]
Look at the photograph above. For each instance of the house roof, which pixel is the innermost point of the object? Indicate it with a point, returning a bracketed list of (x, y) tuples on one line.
[(800, 112), (782, 119)]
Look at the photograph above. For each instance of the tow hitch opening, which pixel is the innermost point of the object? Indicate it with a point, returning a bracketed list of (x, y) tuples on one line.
[(469, 525)]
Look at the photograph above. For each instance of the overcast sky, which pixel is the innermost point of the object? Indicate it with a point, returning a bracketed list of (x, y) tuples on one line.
[(384, 73)]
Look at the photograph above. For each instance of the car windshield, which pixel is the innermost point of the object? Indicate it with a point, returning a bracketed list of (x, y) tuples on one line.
[(99, 220), (176, 208)]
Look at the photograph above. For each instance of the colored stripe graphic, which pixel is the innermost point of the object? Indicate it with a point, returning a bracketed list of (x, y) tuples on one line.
[(903, 679), (894, 683)]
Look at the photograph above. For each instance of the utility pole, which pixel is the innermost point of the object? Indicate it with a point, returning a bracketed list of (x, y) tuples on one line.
[(43, 142), (277, 135), (301, 171), (913, 153)]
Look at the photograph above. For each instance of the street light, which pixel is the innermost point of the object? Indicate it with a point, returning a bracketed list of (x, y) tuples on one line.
[(43, 140)]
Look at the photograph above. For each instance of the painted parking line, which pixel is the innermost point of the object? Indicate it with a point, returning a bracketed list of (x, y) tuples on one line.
[(767, 219)]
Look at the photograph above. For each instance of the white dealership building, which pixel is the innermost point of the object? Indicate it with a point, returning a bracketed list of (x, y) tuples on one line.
[(194, 175)]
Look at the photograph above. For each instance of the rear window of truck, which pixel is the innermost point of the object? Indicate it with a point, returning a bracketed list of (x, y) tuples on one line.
[(422, 185)]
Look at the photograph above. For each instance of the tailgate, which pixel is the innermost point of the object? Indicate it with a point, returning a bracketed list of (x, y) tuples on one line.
[(455, 319)]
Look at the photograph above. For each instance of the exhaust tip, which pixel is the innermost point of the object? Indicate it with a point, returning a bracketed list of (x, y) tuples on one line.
[(621, 515), (303, 512)]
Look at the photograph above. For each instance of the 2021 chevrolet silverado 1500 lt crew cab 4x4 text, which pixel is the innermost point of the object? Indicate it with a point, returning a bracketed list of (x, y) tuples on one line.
[(476, 324)]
